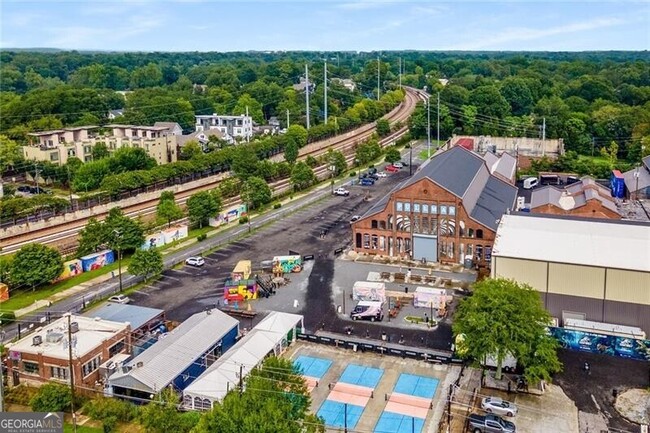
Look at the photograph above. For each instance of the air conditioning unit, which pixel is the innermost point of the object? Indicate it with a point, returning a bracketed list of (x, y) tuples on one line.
[(74, 327), (37, 340)]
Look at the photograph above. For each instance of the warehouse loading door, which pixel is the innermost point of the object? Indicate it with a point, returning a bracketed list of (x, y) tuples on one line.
[(425, 247)]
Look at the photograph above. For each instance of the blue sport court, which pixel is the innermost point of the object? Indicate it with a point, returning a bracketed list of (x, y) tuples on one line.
[(390, 422), (418, 386), (333, 413), (362, 376), (312, 366)]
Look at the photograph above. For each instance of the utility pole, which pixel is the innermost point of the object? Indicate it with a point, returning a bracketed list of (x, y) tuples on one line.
[(636, 179), (543, 136), (400, 72), (69, 187), (2, 387), (247, 134), (118, 235), (378, 76), (345, 418), (307, 92), (438, 133), (241, 379), (428, 126), (38, 189), (71, 367), (287, 118), (325, 90)]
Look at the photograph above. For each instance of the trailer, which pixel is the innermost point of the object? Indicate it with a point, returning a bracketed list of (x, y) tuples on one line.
[(369, 291), (430, 297)]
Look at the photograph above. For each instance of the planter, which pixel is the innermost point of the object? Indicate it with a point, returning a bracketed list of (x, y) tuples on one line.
[(417, 320)]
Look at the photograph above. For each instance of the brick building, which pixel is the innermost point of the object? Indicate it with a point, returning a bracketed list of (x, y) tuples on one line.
[(585, 198), (448, 211), (44, 354)]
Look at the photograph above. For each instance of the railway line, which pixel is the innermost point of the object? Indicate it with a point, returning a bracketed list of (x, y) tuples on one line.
[(63, 235)]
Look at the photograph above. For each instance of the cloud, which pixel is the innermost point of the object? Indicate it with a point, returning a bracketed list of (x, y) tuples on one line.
[(73, 36), (515, 34)]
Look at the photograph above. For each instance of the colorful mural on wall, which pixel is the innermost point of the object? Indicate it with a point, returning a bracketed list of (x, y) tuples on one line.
[(232, 214), (97, 260), (164, 237), (603, 344), (70, 269)]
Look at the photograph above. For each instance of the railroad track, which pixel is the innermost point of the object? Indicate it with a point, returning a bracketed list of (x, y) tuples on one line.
[(64, 234)]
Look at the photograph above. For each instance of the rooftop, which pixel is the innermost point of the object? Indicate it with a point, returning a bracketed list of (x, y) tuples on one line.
[(563, 239), (125, 313), (148, 128), (464, 174), (91, 334), (171, 355), (248, 352), (573, 196), (60, 131)]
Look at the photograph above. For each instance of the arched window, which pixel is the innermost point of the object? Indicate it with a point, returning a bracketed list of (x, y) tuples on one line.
[(479, 234), (187, 401), (373, 224), (207, 404), (390, 222), (373, 242), (470, 233), (198, 403), (382, 225), (366, 240), (358, 243), (425, 225)]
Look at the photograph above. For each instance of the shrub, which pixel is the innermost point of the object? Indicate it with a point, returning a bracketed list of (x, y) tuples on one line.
[(243, 220), (52, 397), (7, 317), (202, 237), (353, 173), (109, 410), (277, 205)]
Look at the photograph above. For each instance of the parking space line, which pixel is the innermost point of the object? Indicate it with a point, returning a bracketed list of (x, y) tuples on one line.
[(182, 271), (211, 259), (169, 276)]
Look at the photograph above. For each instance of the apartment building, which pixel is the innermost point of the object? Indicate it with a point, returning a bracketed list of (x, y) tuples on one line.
[(58, 145), (232, 127)]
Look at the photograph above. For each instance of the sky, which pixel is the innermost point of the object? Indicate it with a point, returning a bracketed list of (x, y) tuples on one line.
[(325, 25)]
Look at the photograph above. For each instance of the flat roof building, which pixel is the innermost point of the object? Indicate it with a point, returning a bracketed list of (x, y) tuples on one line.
[(44, 354), (583, 268)]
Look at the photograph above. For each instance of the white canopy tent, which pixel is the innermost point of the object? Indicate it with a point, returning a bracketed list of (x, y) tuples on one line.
[(271, 336)]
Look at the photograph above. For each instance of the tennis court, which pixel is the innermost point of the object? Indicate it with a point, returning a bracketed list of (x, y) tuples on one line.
[(418, 386), (313, 369), (361, 375), (334, 414), (407, 405), (395, 423)]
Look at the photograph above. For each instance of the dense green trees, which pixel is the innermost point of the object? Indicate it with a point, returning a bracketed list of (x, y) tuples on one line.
[(35, 264), (203, 206), (167, 209), (256, 192), (302, 176), (146, 263), (501, 318)]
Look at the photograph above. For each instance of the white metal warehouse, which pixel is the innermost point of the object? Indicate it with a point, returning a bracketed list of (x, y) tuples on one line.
[(593, 269), (270, 337)]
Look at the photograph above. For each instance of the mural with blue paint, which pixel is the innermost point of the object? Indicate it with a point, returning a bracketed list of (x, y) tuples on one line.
[(604, 344)]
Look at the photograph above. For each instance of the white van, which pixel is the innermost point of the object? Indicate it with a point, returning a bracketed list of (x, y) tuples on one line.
[(368, 310), (531, 182)]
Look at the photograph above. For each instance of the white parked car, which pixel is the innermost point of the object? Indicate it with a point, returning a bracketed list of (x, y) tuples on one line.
[(498, 406), (342, 192), (381, 174), (195, 261), (119, 299), (355, 218), (398, 164)]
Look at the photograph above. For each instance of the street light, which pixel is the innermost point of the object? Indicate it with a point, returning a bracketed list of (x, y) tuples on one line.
[(118, 235), (332, 169)]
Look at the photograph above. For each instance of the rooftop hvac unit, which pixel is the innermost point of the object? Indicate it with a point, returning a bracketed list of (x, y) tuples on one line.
[(53, 337), (139, 364), (74, 327), (37, 340)]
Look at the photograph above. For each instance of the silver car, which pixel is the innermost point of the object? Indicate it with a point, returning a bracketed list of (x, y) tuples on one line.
[(498, 406)]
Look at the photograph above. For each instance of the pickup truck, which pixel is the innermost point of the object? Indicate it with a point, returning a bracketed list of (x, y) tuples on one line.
[(490, 424), (342, 192)]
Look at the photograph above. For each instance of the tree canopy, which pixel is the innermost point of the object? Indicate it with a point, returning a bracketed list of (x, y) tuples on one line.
[(504, 318), (35, 264)]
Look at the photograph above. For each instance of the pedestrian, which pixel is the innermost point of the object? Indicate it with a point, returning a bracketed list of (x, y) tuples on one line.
[(401, 339), (586, 367), (406, 289), (426, 318)]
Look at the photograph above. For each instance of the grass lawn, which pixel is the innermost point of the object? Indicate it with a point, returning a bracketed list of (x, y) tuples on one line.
[(69, 428), (434, 145)]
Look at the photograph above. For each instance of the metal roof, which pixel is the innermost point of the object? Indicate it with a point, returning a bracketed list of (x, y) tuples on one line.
[(125, 313), (248, 352), (171, 355), (581, 241), (464, 174)]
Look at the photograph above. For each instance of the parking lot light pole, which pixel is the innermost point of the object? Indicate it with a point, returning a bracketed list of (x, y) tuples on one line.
[(118, 235)]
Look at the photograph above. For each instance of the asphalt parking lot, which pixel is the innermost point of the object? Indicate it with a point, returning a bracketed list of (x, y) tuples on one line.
[(593, 392)]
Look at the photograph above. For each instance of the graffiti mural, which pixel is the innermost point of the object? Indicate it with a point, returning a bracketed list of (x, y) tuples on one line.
[(603, 344)]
